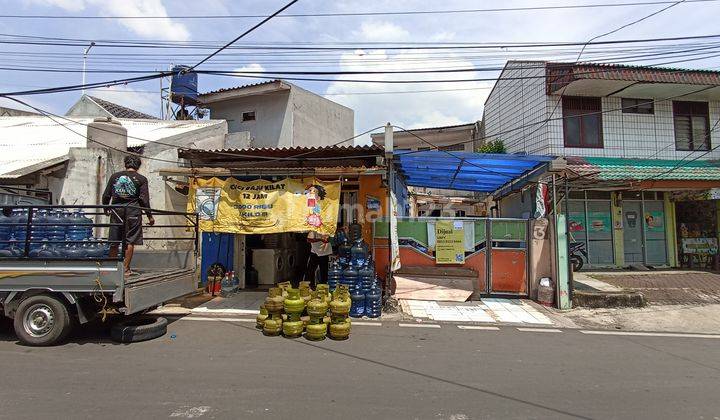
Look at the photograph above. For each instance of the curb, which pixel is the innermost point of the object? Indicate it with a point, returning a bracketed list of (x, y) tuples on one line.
[(623, 299)]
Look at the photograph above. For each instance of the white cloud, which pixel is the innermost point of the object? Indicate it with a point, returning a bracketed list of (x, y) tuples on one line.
[(376, 31), (146, 102), (166, 29), (449, 103)]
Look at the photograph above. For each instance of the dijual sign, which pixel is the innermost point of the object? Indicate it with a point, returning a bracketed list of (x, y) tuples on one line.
[(256, 207)]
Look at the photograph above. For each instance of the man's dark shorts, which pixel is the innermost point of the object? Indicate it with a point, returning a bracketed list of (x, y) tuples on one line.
[(133, 234)]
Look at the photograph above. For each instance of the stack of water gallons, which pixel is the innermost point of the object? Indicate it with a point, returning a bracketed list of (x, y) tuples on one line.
[(358, 275), (54, 233)]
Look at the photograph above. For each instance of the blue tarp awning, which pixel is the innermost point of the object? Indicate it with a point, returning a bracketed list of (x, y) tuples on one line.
[(467, 171)]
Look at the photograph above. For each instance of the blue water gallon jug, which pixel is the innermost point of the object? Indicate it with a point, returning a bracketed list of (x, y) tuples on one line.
[(44, 250), (19, 220), (56, 232), (373, 301), (334, 275), (5, 230), (357, 307), (38, 229), (344, 252), (367, 276), (74, 251), (358, 253), (349, 277), (78, 228)]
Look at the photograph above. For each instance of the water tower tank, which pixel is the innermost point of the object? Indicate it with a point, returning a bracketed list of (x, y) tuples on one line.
[(106, 133), (184, 86)]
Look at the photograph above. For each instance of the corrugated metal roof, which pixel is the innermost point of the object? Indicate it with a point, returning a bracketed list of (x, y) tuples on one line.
[(119, 111), (232, 89), (31, 140), (286, 157), (622, 169)]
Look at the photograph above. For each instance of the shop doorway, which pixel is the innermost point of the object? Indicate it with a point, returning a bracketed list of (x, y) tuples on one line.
[(632, 232), (697, 231), (644, 231)]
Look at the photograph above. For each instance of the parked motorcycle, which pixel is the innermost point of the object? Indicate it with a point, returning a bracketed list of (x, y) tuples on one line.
[(578, 255)]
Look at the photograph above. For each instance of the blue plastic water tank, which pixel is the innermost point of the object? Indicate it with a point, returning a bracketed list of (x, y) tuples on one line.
[(184, 86)]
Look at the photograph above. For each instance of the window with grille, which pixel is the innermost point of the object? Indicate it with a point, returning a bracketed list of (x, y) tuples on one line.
[(582, 122), (638, 106), (692, 125), (453, 148)]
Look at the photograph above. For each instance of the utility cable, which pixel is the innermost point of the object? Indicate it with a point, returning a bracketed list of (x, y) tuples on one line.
[(345, 14), (259, 24)]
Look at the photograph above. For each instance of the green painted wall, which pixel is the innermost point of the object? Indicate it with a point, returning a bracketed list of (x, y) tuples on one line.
[(617, 234)]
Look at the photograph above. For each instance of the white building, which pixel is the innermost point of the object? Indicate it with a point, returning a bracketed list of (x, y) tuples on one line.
[(640, 144), (279, 114), (56, 155), (634, 110)]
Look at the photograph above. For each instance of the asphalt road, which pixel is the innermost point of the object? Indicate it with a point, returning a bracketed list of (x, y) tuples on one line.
[(208, 370)]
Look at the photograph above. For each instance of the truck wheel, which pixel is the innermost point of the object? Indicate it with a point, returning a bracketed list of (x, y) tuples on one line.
[(140, 328), (42, 320)]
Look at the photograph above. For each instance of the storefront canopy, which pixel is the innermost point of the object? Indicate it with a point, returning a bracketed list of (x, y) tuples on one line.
[(466, 171)]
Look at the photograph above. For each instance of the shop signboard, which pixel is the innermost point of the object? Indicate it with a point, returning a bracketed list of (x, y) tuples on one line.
[(654, 221), (599, 221), (449, 242), (258, 207), (702, 246)]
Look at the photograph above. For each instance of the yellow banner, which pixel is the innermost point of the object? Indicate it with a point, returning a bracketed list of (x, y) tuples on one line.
[(255, 207), (449, 242)]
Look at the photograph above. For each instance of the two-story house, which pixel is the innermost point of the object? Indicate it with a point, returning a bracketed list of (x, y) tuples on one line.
[(450, 138), (641, 145), (279, 114)]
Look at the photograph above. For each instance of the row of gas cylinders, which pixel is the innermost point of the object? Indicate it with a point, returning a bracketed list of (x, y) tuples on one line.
[(362, 284), (318, 314)]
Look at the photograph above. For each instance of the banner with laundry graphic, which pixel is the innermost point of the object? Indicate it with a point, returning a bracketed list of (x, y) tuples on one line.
[(260, 206)]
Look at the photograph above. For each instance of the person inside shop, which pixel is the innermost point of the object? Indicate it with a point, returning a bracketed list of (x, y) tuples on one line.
[(320, 250), (130, 189)]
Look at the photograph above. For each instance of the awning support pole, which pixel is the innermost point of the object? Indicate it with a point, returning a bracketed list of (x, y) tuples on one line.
[(389, 162)]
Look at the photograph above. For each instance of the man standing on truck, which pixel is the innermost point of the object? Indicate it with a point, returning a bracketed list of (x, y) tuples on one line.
[(130, 189)]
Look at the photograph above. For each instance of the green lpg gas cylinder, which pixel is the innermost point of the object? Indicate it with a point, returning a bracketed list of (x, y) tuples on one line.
[(317, 306), (284, 286), (292, 329), (273, 326), (340, 304), (294, 304), (305, 293), (324, 291), (274, 300), (340, 329), (262, 316), (316, 331)]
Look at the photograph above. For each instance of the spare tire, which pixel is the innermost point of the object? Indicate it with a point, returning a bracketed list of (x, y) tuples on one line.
[(140, 328)]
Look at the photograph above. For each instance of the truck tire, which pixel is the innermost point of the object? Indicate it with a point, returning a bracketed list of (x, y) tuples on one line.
[(139, 328), (42, 320)]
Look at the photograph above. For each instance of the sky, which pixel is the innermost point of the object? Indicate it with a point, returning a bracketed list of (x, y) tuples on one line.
[(411, 105)]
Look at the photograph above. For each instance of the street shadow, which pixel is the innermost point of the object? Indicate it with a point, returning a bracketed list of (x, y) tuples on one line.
[(94, 332)]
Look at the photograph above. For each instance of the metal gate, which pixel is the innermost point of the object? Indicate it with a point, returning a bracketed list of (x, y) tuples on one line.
[(496, 249)]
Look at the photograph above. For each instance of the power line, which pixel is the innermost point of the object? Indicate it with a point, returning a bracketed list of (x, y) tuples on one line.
[(259, 24), (75, 42), (341, 14), (636, 21), (545, 121)]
